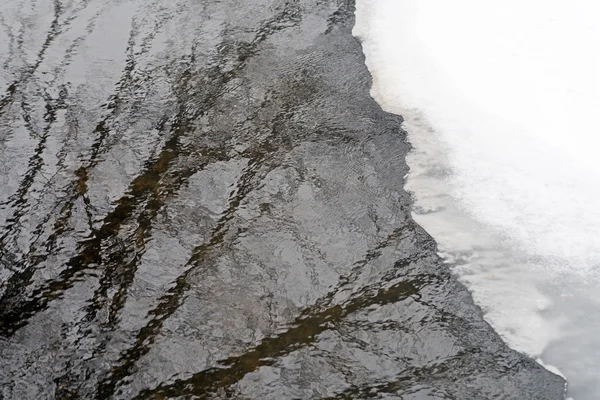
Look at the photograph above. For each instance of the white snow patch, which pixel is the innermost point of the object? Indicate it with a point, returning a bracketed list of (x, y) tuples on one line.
[(501, 101)]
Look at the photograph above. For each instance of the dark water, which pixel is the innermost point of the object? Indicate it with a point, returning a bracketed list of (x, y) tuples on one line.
[(199, 199)]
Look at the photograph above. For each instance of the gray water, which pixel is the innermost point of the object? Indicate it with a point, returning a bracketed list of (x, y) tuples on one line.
[(199, 199)]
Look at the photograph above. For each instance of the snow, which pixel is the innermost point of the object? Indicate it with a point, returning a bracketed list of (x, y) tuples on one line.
[(501, 101)]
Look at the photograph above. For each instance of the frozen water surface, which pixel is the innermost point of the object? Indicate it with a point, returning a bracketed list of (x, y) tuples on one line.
[(501, 103)]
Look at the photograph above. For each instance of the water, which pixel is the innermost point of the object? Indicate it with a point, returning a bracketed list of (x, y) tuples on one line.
[(199, 199), (501, 101)]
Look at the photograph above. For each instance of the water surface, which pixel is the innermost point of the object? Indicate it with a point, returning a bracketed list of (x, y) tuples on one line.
[(199, 199)]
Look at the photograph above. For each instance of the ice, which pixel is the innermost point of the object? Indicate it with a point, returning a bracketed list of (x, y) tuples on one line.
[(501, 101)]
